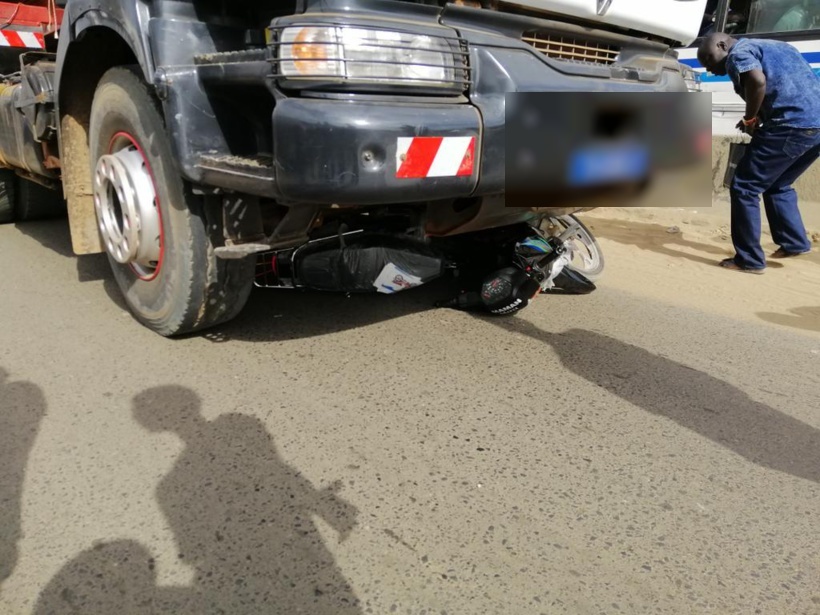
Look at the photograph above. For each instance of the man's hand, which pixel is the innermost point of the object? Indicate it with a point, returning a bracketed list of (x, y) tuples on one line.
[(754, 91), (749, 130)]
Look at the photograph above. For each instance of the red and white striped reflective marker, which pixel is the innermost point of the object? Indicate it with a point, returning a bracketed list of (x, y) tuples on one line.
[(418, 157), (31, 40)]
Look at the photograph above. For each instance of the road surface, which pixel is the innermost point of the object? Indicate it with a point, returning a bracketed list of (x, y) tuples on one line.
[(612, 453)]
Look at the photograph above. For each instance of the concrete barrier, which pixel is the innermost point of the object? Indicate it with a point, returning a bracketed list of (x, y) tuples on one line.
[(808, 186)]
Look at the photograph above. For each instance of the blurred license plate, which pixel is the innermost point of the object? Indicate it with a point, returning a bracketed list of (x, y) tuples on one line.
[(608, 164)]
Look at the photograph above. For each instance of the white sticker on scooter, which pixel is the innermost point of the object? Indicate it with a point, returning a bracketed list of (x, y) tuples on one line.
[(392, 280)]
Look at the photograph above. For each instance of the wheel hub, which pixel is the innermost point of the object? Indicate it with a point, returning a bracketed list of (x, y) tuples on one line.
[(581, 253), (127, 210)]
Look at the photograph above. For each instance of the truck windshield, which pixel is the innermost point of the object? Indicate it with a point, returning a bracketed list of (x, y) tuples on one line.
[(761, 16)]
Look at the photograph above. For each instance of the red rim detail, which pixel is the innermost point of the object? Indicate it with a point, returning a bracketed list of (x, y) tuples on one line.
[(124, 135)]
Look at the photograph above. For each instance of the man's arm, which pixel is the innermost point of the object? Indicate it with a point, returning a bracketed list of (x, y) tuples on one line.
[(753, 83), (754, 91)]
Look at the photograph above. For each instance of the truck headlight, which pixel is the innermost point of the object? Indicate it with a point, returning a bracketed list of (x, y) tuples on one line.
[(350, 54), (691, 77)]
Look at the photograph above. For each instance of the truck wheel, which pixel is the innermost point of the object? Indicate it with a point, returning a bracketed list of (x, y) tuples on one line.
[(36, 202), (152, 226), (7, 182)]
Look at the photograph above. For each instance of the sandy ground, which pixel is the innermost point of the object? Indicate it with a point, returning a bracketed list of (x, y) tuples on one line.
[(679, 250)]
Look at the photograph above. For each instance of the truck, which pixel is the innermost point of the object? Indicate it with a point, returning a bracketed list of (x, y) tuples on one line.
[(187, 139)]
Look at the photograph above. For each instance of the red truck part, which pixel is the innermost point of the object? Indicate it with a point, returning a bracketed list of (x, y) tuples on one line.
[(40, 16)]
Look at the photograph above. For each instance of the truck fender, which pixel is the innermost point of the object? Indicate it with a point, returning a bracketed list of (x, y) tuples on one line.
[(93, 39)]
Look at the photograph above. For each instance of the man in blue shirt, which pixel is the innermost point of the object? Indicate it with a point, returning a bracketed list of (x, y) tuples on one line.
[(782, 96)]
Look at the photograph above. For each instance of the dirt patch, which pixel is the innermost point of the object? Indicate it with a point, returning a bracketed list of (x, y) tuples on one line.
[(672, 255)]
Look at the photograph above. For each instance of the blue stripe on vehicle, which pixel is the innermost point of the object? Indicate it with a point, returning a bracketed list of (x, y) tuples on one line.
[(812, 57), (709, 78)]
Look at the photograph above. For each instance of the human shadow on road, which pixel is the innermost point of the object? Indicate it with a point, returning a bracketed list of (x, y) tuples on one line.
[(22, 408), (242, 519), (805, 318), (693, 399), (115, 578)]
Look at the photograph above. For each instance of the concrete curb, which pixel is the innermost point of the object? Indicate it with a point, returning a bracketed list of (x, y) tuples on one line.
[(808, 187)]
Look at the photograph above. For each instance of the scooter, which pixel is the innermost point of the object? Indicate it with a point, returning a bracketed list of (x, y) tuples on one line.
[(531, 261), (499, 271)]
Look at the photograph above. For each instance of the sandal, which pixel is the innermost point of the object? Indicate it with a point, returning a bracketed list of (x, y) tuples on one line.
[(781, 253), (731, 265)]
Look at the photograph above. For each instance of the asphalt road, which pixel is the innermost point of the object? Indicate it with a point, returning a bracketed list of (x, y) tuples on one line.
[(322, 454)]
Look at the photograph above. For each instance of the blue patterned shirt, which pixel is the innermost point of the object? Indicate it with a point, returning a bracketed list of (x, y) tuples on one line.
[(792, 87)]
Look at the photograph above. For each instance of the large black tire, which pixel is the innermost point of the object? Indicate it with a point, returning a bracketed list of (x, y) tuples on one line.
[(35, 202), (191, 289), (8, 181)]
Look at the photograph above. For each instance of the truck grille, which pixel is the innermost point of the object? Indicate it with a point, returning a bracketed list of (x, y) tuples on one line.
[(572, 49)]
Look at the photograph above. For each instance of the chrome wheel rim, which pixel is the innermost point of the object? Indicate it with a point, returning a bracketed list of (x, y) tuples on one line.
[(128, 208), (584, 255)]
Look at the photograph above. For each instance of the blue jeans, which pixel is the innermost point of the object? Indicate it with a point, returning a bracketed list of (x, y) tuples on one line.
[(773, 161)]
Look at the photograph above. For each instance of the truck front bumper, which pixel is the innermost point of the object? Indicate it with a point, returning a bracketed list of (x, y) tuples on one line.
[(355, 151), (361, 153)]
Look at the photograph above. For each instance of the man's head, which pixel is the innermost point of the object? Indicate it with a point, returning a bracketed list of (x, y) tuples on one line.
[(713, 52), (168, 408)]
